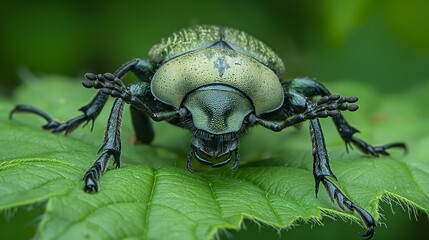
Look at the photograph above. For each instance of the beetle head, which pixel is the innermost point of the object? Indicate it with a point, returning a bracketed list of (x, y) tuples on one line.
[(218, 115)]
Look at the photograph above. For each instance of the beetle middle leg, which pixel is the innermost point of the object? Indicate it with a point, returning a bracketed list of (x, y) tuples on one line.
[(311, 88), (142, 126)]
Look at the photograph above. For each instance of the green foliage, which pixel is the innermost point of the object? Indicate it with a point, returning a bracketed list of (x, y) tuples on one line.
[(152, 196), (372, 41)]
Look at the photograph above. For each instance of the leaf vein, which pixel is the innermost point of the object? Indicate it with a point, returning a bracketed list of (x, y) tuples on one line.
[(266, 195), (215, 199), (149, 204), (419, 186), (89, 213)]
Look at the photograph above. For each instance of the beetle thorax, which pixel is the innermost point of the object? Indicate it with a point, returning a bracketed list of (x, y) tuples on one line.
[(174, 80)]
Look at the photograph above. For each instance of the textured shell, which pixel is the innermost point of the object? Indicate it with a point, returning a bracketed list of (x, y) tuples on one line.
[(203, 36), (178, 77)]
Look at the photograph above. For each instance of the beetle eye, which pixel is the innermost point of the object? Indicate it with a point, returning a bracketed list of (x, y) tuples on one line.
[(183, 112), (250, 119)]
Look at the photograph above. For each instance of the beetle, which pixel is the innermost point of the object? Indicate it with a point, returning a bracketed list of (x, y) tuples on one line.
[(217, 82)]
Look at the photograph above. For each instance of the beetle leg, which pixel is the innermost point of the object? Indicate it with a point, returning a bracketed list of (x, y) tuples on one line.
[(111, 85), (346, 131), (111, 147), (90, 113), (337, 196), (94, 173), (142, 127), (321, 167), (329, 106), (321, 170), (311, 88)]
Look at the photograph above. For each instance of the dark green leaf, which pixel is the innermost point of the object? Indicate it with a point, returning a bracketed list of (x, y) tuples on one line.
[(152, 196)]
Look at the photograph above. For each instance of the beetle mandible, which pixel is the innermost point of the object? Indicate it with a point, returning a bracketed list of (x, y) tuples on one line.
[(216, 82)]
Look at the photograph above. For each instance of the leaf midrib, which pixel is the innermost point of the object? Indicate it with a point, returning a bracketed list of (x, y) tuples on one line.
[(149, 203)]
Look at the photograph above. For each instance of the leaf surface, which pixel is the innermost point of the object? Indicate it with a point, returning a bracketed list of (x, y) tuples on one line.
[(152, 196)]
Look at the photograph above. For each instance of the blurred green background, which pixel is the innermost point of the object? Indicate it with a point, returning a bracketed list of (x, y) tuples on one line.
[(382, 43), (385, 43)]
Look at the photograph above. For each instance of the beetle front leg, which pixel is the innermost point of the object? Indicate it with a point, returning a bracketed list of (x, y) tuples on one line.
[(111, 147), (337, 196), (321, 170), (329, 106), (311, 88), (90, 113), (111, 85)]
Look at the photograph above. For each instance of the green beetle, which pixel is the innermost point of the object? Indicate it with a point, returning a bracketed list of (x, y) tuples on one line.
[(216, 82)]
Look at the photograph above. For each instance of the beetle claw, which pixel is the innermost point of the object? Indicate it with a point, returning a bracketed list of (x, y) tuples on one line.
[(375, 151), (91, 185), (337, 196)]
